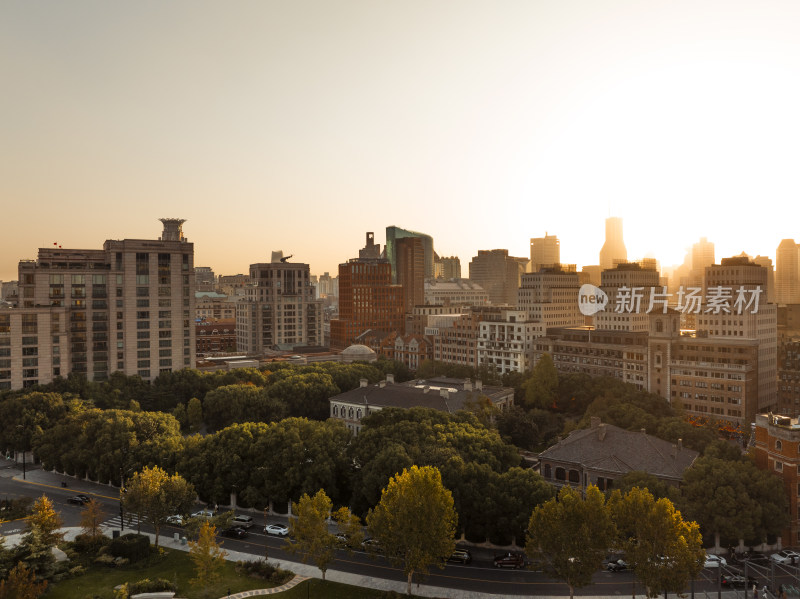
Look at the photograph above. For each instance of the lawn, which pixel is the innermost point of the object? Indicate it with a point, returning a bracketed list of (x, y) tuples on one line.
[(175, 566), (319, 589)]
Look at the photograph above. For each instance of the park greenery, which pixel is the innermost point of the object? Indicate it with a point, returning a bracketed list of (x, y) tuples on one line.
[(264, 434)]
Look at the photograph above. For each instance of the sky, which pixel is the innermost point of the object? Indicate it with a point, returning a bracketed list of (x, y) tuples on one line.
[(301, 125)]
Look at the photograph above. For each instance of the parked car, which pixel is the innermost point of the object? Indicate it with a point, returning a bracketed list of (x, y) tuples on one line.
[(737, 581), (371, 545), (276, 529), (787, 556), (460, 556), (235, 532), (79, 499), (714, 561), (177, 520), (342, 540), (207, 514), (617, 565), (245, 522), (509, 560)]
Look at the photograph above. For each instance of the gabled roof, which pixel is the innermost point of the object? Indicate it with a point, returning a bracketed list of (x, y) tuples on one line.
[(612, 449)]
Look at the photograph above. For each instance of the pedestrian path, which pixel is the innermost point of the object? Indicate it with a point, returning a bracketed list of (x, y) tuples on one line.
[(131, 522), (258, 592)]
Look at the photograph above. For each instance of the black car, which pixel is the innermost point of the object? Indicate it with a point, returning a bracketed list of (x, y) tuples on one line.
[(617, 565), (79, 499), (509, 560), (737, 581), (234, 532), (460, 556)]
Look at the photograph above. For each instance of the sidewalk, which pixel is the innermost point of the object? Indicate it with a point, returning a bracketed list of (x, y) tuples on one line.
[(45, 480)]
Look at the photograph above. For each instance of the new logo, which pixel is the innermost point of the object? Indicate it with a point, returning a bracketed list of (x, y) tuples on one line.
[(591, 300)]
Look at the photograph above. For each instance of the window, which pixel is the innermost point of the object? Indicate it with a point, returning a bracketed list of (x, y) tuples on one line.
[(778, 466), (778, 444)]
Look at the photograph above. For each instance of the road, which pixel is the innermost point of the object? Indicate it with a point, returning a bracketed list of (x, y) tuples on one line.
[(479, 576)]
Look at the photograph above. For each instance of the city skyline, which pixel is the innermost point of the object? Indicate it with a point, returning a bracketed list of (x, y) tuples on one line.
[(299, 127)]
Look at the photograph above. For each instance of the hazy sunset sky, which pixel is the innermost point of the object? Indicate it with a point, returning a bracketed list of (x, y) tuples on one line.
[(299, 126)]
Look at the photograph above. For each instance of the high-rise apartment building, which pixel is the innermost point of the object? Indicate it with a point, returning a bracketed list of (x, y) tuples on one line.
[(499, 274), (550, 296), (761, 323), (368, 301), (393, 234), (279, 310), (410, 256), (787, 273), (505, 339), (447, 268), (630, 287), (613, 249), (545, 251), (128, 307)]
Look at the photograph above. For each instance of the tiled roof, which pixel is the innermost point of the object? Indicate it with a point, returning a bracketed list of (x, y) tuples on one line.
[(620, 451)]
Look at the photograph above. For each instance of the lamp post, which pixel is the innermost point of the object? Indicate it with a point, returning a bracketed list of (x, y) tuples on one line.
[(121, 514), (24, 451)]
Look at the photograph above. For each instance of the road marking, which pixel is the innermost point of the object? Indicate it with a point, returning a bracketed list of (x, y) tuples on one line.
[(73, 491)]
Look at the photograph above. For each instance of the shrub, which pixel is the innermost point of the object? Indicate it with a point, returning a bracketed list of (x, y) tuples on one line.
[(130, 546), (85, 544), (151, 586), (263, 569)]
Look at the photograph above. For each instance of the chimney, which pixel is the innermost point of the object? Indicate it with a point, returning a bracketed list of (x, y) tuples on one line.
[(444, 393), (364, 382), (478, 385), (467, 385), (595, 421), (390, 378), (601, 431)]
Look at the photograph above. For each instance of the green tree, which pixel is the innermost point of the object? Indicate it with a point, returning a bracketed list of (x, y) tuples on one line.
[(194, 414), (658, 488), (348, 524), (540, 390), (664, 550), (415, 521), (154, 494), (21, 584), (42, 534), (733, 499), (571, 535), (208, 557), (308, 531)]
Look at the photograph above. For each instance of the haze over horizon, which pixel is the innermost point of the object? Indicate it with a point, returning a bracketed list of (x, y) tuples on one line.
[(301, 126)]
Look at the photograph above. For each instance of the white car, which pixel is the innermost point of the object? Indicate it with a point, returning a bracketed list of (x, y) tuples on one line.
[(276, 529), (203, 514), (786, 557), (176, 520), (715, 561)]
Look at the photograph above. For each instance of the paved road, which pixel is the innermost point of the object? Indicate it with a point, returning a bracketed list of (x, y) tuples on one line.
[(479, 576)]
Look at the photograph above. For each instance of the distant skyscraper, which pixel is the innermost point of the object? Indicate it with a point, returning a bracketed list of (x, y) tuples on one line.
[(499, 274), (545, 251), (410, 256), (787, 273), (204, 278), (614, 247), (395, 233), (368, 301), (448, 268), (702, 257)]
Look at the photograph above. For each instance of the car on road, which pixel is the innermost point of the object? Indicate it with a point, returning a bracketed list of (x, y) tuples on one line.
[(787, 556), (371, 545), (207, 514), (79, 499), (714, 561), (737, 581), (176, 519), (245, 522), (460, 556), (509, 560), (617, 565), (277, 529), (235, 532)]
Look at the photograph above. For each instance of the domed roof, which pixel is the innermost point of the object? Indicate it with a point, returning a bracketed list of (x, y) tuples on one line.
[(359, 352)]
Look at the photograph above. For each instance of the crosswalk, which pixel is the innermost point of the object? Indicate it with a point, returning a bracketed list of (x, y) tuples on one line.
[(131, 521)]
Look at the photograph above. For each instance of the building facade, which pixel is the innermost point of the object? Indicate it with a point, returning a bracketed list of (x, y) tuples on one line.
[(279, 310), (129, 307), (506, 339), (499, 274), (550, 296), (455, 292)]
